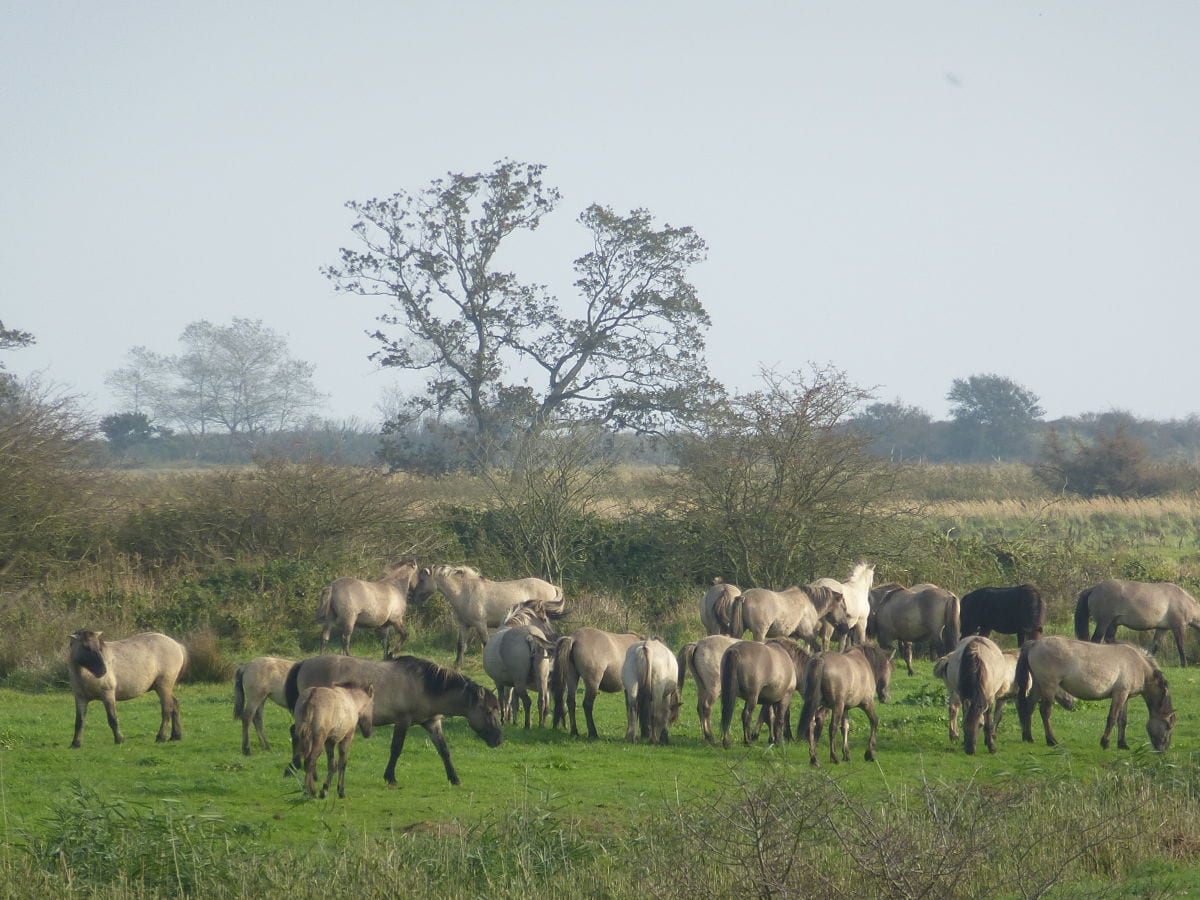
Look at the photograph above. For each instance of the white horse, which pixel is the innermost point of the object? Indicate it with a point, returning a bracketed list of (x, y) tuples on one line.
[(856, 593), (650, 676), (479, 604)]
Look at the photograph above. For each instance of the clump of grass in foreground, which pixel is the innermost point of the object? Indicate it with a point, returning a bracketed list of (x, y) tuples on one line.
[(768, 835)]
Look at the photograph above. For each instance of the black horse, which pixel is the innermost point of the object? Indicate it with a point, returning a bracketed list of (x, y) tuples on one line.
[(1015, 610)]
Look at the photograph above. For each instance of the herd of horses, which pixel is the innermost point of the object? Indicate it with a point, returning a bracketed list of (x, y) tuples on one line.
[(790, 654)]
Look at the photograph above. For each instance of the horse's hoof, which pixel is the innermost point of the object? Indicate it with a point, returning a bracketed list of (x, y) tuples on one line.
[(814, 762), (245, 751), (75, 745), (1121, 745), (1103, 743), (160, 739), (870, 757), (119, 739)]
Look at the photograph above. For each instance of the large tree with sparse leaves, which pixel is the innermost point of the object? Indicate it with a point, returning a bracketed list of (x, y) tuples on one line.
[(628, 352)]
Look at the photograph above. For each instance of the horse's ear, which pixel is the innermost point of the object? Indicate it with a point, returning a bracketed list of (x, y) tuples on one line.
[(370, 690)]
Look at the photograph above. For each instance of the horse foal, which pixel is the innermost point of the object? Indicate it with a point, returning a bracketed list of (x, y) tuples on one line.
[(326, 716)]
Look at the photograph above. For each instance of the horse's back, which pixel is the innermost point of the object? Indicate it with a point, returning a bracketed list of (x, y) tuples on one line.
[(141, 660), (371, 603), (265, 676), (706, 661), (1138, 604), (396, 693), (1086, 670)]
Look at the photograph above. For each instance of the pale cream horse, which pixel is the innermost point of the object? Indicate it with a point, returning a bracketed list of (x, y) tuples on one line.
[(856, 594)]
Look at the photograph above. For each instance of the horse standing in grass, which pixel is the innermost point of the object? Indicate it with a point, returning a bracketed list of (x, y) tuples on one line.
[(536, 614), (1140, 605), (767, 673), (703, 659), (594, 657), (518, 658), (408, 691), (1092, 672), (479, 604), (1015, 610), (924, 612), (350, 602), (326, 716), (839, 682), (650, 677), (798, 612), (977, 673), (856, 595), (255, 682), (109, 671), (716, 606)]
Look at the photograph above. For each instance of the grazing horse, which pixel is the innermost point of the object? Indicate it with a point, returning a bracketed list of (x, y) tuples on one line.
[(650, 677), (326, 716), (856, 594), (1015, 610), (350, 602), (924, 612), (408, 691), (1140, 605), (255, 682), (798, 612), (109, 671), (839, 682), (703, 659), (980, 675), (518, 658), (1092, 672), (596, 658), (716, 605), (479, 604), (766, 673)]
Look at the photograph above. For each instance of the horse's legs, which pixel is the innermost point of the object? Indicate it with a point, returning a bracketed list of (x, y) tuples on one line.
[(434, 727), (953, 705), (990, 718), (630, 714), (524, 698), (110, 710), (81, 706), (1098, 634), (704, 707), (328, 767), (463, 633), (812, 739), (837, 718), (572, 688), (258, 726), (869, 709), (1114, 713), (1121, 745), (1177, 630), (176, 723), (1044, 707), (747, 718), (907, 649), (845, 735), (325, 632), (589, 701), (343, 752), (347, 633), (399, 730)]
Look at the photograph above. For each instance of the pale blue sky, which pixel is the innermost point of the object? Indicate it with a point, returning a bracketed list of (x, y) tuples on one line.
[(911, 192)]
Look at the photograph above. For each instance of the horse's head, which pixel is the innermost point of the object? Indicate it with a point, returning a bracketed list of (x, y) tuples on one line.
[(424, 586), (1162, 713), (483, 715), (87, 652), (882, 667)]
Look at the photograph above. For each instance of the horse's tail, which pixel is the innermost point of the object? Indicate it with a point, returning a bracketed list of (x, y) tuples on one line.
[(1081, 615), (291, 687), (952, 630), (685, 662), (970, 689), (559, 674), (1024, 679), (813, 675), (326, 604), (304, 738), (728, 689), (721, 610), (239, 693), (737, 626), (645, 699)]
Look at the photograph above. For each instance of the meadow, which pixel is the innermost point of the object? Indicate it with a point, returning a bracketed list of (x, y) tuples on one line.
[(545, 811)]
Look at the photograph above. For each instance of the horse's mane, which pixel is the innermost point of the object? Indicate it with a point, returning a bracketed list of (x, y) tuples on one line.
[(460, 570), (436, 679), (876, 656), (859, 567)]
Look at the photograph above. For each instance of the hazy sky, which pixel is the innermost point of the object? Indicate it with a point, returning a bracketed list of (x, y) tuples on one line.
[(911, 192)]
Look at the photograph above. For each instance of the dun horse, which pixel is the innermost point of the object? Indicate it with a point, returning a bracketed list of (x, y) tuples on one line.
[(856, 595), (479, 604), (839, 682), (760, 673), (255, 682), (326, 716), (1015, 610), (109, 671), (798, 612), (518, 658), (596, 658), (716, 606), (924, 612), (408, 691), (703, 659), (1140, 605), (1093, 672), (350, 602), (650, 677), (979, 674)]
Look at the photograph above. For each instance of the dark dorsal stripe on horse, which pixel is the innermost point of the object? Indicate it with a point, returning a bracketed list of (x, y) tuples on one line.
[(437, 679)]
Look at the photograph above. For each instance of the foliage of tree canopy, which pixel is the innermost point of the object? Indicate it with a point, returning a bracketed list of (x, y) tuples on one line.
[(629, 353)]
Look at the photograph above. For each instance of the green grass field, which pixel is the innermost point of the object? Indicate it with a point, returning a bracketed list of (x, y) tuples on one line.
[(598, 796)]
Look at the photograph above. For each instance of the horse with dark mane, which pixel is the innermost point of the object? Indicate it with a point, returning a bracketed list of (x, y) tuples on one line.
[(408, 691), (109, 671), (1015, 610), (839, 682)]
